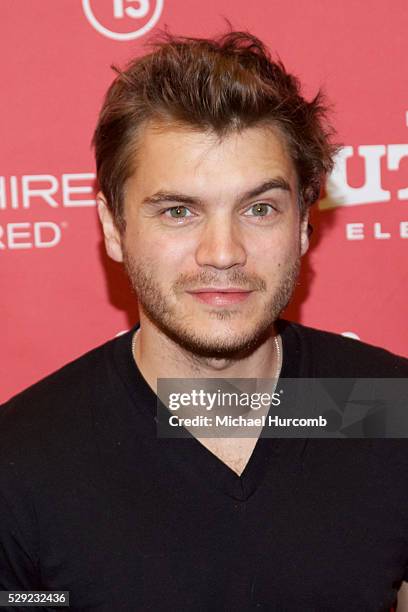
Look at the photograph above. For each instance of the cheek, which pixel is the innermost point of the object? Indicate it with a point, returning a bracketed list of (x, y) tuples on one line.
[(276, 252), (161, 258)]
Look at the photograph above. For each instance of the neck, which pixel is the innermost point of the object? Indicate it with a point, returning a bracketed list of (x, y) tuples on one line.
[(158, 356)]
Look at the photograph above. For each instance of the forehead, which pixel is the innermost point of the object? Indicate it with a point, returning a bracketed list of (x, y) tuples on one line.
[(175, 157)]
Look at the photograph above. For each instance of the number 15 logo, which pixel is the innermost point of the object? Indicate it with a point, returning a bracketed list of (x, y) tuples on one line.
[(126, 9)]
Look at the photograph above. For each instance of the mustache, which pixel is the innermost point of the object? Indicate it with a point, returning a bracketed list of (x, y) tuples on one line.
[(236, 278)]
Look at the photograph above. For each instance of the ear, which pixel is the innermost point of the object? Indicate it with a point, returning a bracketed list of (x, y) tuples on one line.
[(304, 233), (111, 233)]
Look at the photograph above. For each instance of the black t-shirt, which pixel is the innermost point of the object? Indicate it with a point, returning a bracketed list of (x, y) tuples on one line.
[(93, 502)]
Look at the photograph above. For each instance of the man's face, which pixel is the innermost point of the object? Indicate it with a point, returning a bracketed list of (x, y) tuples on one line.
[(205, 216)]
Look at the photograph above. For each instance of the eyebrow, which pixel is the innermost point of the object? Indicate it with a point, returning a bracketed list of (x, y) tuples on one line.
[(165, 196)]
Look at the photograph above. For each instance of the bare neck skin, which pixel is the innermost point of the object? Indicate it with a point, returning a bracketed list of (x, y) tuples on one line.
[(158, 356)]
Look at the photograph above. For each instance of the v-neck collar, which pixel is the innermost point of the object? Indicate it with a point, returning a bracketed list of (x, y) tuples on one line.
[(188, 451)]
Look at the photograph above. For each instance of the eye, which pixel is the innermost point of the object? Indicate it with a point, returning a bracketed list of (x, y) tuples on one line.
[(177, 212), (260, 209)]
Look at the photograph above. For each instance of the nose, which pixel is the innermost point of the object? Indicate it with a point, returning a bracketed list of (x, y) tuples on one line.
[(220, 244)]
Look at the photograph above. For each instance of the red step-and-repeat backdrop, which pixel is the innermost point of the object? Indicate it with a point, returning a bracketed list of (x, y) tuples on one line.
[(60, 295)]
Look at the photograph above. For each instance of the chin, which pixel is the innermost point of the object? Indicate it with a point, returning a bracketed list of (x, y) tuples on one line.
[(222, 344)]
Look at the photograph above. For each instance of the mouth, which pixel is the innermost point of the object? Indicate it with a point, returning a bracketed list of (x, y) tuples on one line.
[(220, 297)]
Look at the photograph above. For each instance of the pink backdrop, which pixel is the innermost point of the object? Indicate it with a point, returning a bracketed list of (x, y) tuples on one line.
[(61, 296)]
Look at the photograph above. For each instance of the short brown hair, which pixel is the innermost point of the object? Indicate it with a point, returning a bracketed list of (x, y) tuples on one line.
[(222, 84)]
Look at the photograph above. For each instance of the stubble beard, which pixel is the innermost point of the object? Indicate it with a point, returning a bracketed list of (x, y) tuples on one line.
[(165, 315)]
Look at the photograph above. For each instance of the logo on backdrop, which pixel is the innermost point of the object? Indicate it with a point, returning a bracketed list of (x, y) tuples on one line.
[(375, 160), (43, 193), (122, 19)]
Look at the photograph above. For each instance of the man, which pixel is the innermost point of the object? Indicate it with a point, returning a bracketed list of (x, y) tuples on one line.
[(208, 160)]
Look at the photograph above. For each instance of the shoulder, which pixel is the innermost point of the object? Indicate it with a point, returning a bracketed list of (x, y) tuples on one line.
[(334, 355), (62, 396)]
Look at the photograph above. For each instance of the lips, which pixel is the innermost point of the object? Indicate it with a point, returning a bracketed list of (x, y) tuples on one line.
[(220, 297), (220, 290)]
